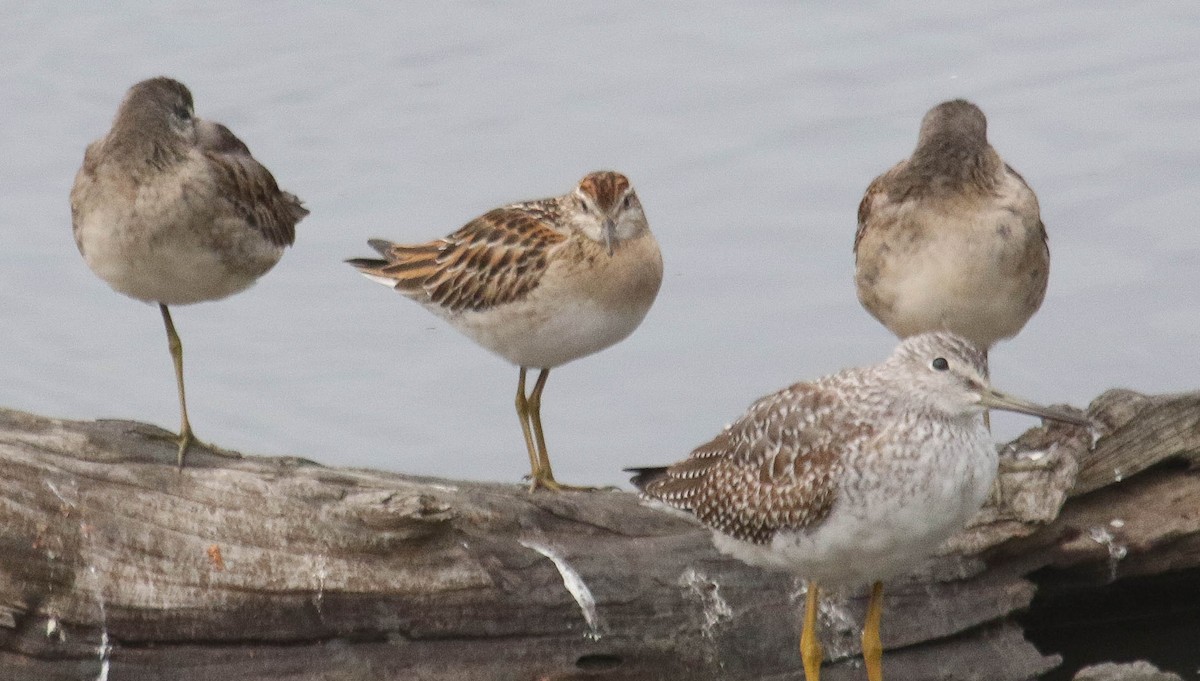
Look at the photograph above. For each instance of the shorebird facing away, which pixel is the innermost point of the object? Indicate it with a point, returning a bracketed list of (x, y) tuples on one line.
[(951, 238), (172, 209), (851, 479), (539, 283)]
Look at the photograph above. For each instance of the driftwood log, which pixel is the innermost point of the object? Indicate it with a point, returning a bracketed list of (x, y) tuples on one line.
[(115, 565)]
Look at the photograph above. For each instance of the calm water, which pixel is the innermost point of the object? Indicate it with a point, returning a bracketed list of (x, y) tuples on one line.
[(750, 133)]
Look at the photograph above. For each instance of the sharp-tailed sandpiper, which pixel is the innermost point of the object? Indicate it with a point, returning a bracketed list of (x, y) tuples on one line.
[(539, 283)]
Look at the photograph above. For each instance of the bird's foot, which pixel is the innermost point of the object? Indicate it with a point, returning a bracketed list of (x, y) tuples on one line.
[(548, 482), (187, 441)]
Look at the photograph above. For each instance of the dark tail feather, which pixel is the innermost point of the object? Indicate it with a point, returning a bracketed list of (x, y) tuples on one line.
[(645, 476), (381, 245), (366, 263)]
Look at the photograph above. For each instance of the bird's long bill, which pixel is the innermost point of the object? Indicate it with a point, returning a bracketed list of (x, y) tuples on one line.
[(995, 399), (610, 234)]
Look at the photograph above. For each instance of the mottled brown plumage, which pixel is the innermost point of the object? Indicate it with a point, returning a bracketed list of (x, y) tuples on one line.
[(773, 469), (607, 189), (248, 186), (540, 283), (494, 259), (172, 209), (850, 479), (951, 238)]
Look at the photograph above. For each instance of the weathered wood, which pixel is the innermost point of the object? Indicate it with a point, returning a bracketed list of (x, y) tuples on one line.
[(1136, 671), (1139, 432), (114, 562)]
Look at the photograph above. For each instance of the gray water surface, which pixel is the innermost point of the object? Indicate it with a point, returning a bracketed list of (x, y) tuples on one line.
[(750, 131)]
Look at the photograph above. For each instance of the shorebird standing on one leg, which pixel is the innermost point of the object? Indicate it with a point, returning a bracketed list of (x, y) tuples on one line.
[(951, 238), (539, 283), (850, 479), (172, 209)]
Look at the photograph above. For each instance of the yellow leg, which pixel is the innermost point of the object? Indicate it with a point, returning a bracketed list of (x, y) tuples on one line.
[(535, 418), (544, 477), (872, 648), (176, 347), (810, 647), (523, 415), (987, 415)]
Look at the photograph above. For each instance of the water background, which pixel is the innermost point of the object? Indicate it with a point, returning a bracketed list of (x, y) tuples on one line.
[(749, 129)]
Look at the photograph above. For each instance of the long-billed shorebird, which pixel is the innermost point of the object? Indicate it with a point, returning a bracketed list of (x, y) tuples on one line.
[(853, 478), (951, 238), (539, 283), (172, 209)]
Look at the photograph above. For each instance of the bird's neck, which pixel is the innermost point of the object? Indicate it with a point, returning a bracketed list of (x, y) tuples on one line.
[(952, 163), (137, 152)]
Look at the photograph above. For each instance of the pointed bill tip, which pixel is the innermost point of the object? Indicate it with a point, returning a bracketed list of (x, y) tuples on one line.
[(994, 399)]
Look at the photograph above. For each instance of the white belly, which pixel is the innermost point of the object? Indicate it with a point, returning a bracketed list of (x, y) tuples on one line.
[(162, 250), (579, 308), (962, 276), (963, 290), (542, 335)]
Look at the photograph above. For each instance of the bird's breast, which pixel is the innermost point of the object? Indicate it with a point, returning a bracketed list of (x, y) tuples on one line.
[(979, 273)]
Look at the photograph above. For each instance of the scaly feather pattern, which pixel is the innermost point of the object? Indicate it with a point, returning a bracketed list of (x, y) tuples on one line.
[(248, 186), (494, 259), (774, 468)]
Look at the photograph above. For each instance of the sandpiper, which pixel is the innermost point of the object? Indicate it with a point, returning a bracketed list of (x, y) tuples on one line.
[(951, 238), (853, 478), (172, 209), (539, 283)]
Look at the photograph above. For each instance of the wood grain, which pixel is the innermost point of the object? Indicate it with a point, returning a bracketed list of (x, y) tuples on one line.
[(278, 568)]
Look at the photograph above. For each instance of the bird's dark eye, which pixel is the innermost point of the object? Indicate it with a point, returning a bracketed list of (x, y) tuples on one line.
[(627, 202), (183, 112), (940, 364)]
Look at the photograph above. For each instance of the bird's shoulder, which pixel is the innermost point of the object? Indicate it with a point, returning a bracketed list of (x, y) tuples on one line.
[(86, 175), (879, 200), (1016, 196), (95, 180)]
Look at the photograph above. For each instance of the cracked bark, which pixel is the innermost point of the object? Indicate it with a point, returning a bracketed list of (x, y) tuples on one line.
[(112, 561)]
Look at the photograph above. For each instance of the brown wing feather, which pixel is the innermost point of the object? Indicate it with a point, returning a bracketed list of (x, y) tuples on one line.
[(495, 259), (248, 186), (775, 468), (84, 181), (876, 192), (1040, 225)]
